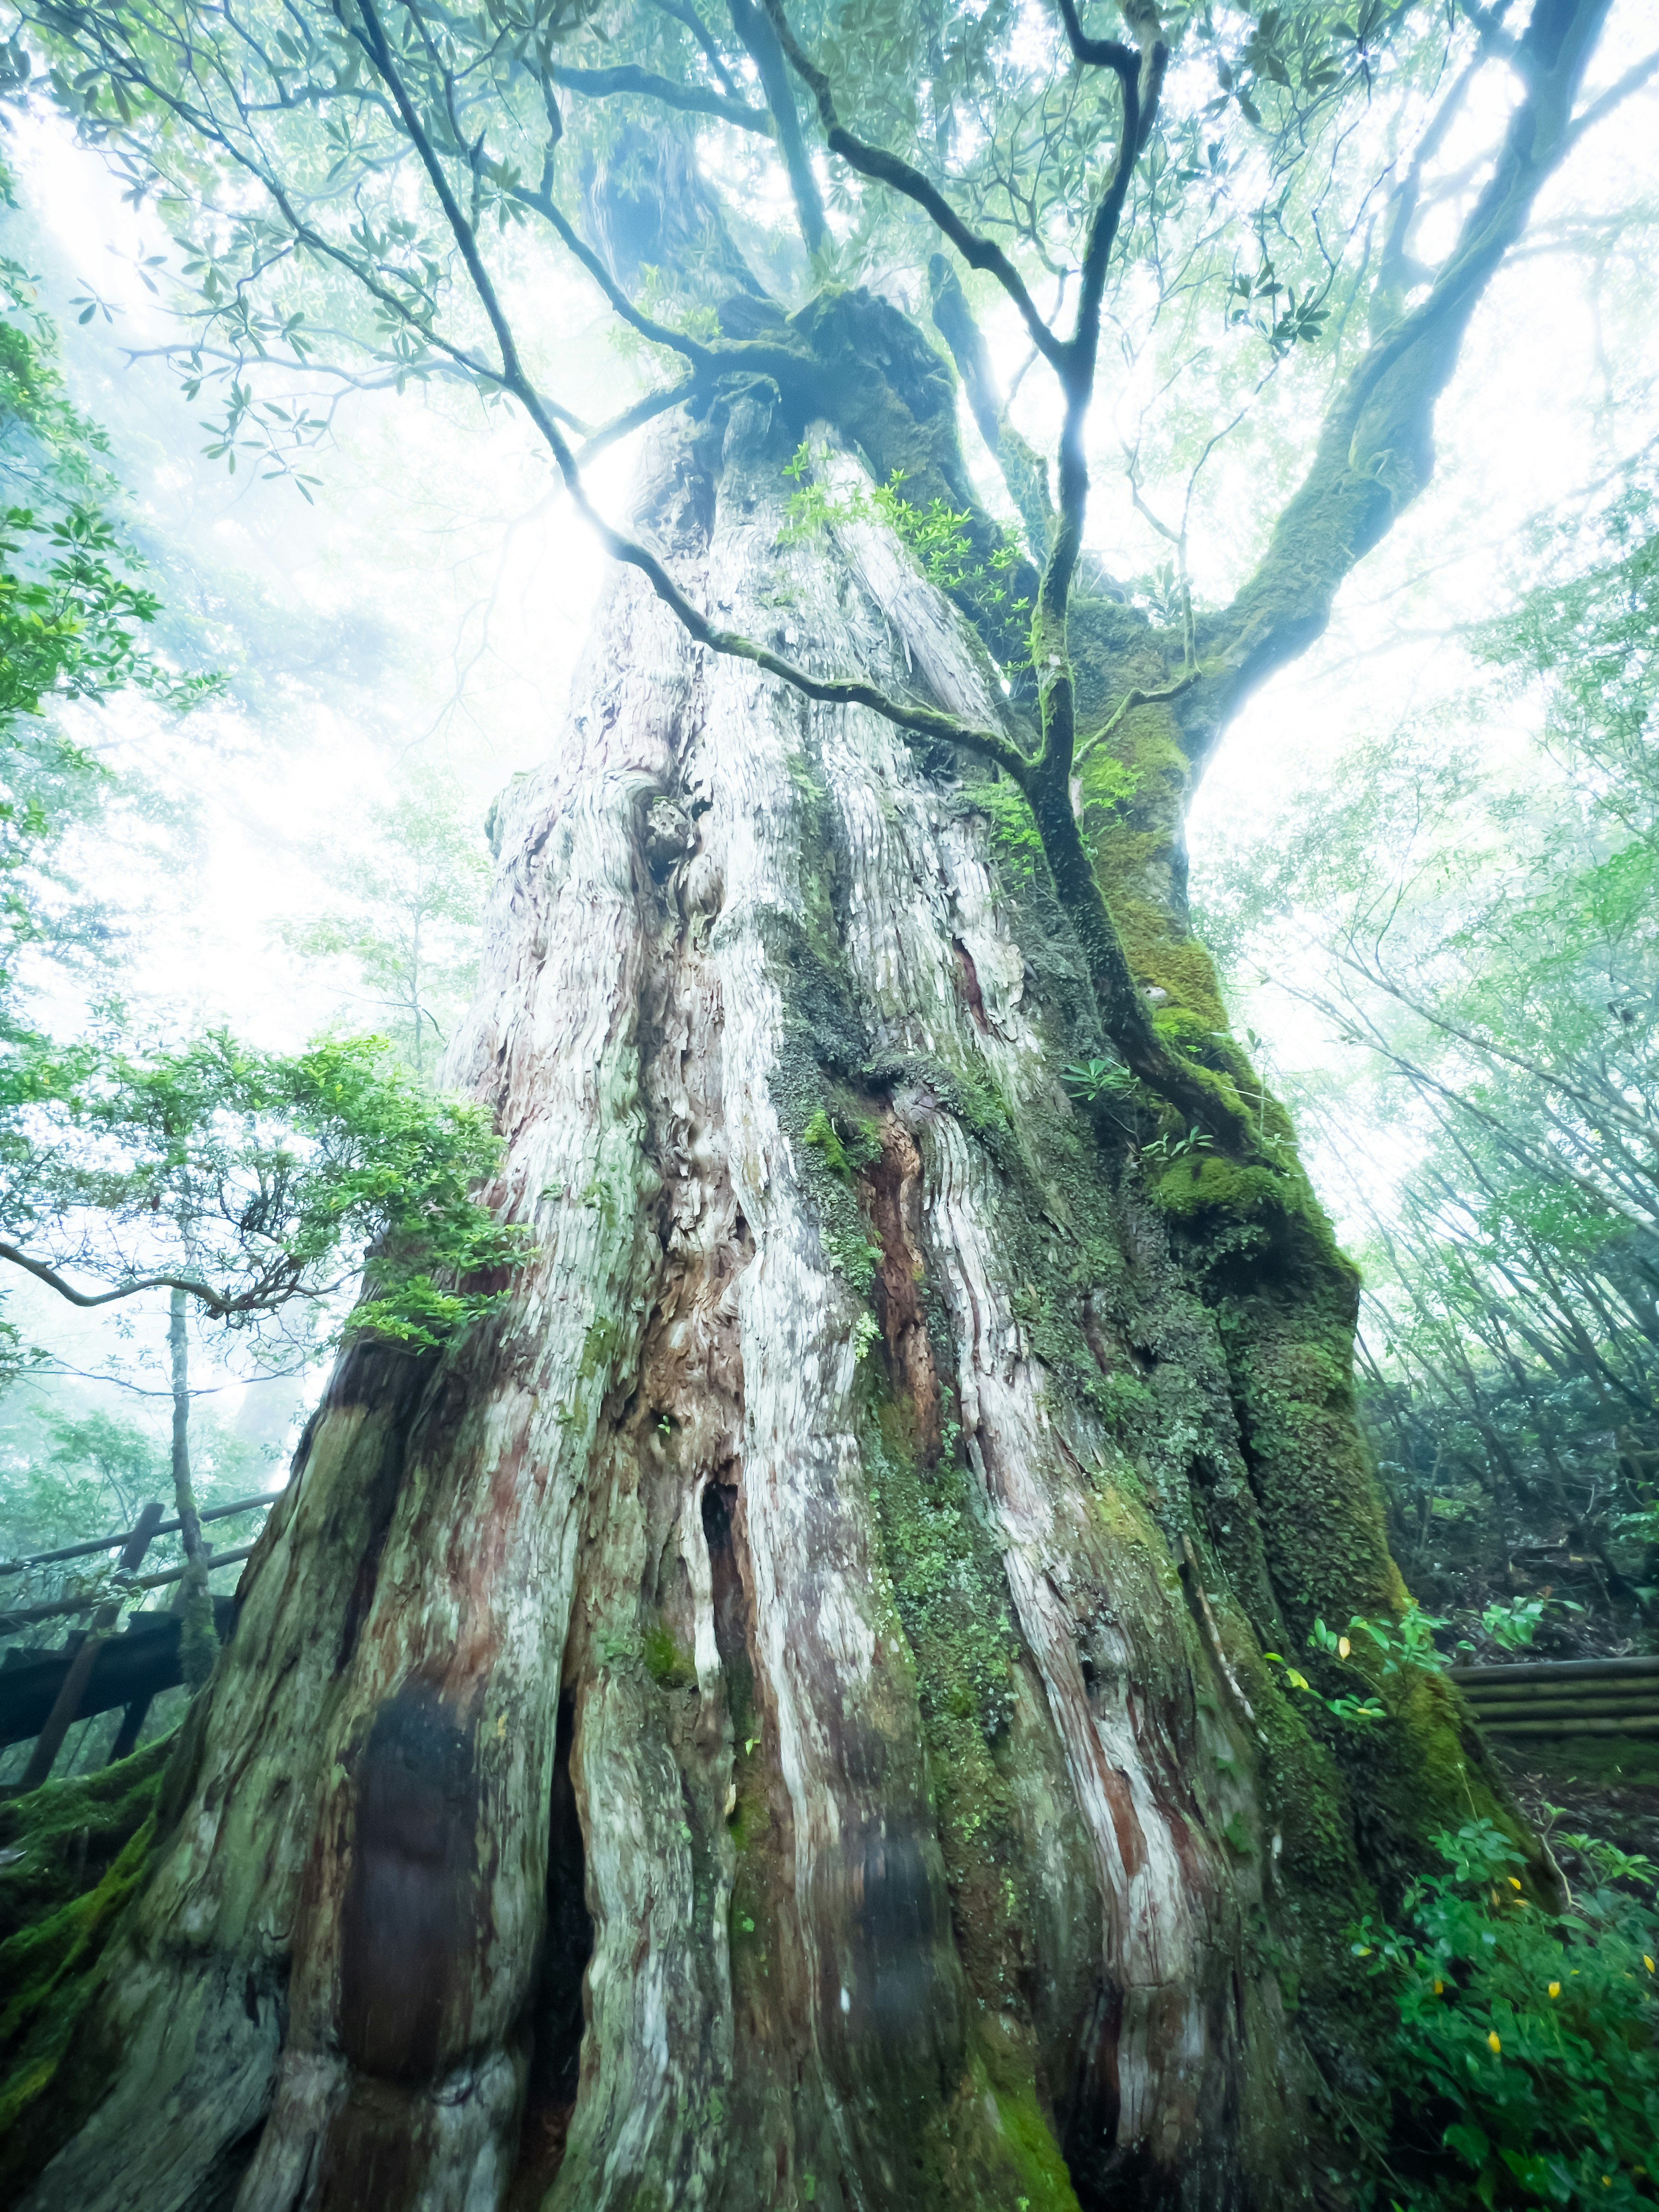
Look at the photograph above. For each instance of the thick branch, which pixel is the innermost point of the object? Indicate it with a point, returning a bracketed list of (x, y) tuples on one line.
[(646, 84), (1024, 470), (1395, 271), (217, 1302), (633, 418), (1056, 681), (899, 176), (754, 26), (1102, 53), (1376, 453), (1616, 94), (683, 12)]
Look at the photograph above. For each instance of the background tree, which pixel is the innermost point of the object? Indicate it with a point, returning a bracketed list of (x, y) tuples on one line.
[(1483, 913), (414, 888), (247, 1184), (272, 1175), (73, 619), (906, 1472)]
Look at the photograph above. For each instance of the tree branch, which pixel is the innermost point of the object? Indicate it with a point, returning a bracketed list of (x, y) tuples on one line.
[(633, 418), (1045, 781), (1056, 679), (899, 176), (1618, 92), (756, 28), (1024, 470), (646, 84), (1374, 453), (216, 1302), (1128, 704), (683, 12), (1101, 53), (1489, 27)]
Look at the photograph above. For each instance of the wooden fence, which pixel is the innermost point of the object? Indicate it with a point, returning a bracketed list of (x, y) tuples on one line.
[(43, 1692), (1564, 1698)]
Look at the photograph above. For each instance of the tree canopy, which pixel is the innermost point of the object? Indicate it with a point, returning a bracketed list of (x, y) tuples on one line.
[(387, 172)]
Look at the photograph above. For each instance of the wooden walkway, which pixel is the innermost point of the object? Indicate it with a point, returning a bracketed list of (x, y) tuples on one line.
[(44, 1693), (127, 1669)]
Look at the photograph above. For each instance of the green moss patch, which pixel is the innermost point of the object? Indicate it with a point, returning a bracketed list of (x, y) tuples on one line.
[(849, 1143), (85, 1852), (61, 1840), (669, 1666)]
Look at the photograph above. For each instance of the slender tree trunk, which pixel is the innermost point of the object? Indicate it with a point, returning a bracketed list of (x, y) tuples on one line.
[(416, 1005), (199, 1641), (779, 1716)]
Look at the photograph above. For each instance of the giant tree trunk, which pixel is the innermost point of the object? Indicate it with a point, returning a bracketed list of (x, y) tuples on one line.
[(778, 1717)]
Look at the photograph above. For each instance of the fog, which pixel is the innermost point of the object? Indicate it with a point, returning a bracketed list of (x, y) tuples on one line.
[(423, 609)]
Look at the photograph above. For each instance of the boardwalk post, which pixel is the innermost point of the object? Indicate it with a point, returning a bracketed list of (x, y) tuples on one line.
[(67, 1702)]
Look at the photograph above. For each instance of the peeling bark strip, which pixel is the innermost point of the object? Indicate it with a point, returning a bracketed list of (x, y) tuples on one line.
[(734, 1732)]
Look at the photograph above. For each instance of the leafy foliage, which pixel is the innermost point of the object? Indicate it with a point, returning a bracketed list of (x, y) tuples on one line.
[(257, 1178), (1392, 1648), (936, 533), (73, 615), (1481, 926), (1526, 2040), (253, 1179), (72, 632), (1246, 237)]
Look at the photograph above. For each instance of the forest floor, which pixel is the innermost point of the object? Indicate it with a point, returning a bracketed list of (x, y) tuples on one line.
[(1603, 1786)]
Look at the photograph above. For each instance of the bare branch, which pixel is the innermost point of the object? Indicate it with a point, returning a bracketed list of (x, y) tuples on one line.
[(635, 417), (1101, 53), (683, 11), (756, 28), (1130, 701), (1621, 90), (1024, 470), (1488, 23), (217, 1303)]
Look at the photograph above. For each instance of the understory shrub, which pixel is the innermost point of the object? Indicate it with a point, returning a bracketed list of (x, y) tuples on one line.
[(1523, 2068)]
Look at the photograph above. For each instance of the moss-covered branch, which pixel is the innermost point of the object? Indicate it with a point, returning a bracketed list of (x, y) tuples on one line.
[(1375, 451)]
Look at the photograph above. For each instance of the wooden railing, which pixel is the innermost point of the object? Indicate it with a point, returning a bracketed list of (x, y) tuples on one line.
[(43, 1693), (1565, 1698)]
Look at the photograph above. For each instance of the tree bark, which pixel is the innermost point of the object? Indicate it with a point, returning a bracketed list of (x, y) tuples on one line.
[(778, 1716), (198, 1640)]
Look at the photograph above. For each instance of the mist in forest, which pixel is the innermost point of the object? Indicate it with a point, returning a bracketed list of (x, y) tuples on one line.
[(828, 1026)]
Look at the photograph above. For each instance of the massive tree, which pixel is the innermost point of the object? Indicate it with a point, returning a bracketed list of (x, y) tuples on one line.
[(780, 1712)]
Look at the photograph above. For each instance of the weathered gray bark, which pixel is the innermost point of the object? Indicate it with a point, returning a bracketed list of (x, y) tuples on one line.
[(778, 1717)]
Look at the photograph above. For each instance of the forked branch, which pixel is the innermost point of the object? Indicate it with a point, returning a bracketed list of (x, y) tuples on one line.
[(900, 176)]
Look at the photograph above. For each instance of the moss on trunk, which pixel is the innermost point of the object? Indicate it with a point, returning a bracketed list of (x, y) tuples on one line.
[(779, 1716), (75, 1853)]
